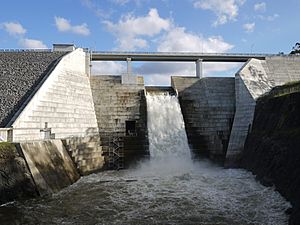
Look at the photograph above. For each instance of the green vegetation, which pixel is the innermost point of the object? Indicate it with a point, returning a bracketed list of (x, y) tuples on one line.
[(296, 49), (285, 89), (7, 150), (291, 83)]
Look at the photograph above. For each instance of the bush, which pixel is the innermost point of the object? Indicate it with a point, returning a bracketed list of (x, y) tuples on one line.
[(7, 150)]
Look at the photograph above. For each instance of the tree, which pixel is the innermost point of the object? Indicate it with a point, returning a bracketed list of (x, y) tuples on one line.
[(296, 49)]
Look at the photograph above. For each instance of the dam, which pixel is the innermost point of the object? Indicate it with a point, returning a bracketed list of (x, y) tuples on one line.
[(70, 127)]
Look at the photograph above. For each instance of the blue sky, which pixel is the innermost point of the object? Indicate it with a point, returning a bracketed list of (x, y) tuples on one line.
[(237, 26)]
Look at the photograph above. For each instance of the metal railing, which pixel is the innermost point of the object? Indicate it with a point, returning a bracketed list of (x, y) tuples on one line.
[(182, 53)]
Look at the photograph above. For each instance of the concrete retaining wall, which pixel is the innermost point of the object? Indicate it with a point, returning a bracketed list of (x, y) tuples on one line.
[(116, 103), (50, 165), (64, 101), (207, 105)]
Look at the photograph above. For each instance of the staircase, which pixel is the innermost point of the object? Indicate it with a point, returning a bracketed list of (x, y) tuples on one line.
[(116, 153), (86, 153)]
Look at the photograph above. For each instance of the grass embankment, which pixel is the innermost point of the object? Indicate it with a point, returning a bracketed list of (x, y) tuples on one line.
[(285, 89), (7, 150)]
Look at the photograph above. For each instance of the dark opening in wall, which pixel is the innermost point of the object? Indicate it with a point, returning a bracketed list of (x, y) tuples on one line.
[(131, 128)]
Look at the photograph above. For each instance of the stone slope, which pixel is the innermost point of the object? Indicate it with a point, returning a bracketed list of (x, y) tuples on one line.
[(20, 73)]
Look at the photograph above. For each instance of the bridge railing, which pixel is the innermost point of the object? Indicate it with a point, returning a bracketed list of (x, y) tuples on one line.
[(182, 53)]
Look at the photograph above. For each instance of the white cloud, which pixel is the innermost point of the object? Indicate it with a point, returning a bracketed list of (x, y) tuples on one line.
[(108, 68), (130, 30), (160, 73), (64, 25), (260, 7), (131, 33), (249, 27), (225, 10), (13, 28), (32, 43), (178, 40)]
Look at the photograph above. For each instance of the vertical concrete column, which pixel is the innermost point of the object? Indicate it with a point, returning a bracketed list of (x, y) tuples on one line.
[(88, 63), (128, 66), (199, 68)]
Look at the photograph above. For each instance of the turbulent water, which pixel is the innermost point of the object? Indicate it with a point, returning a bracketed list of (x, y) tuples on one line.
[(168, 189)]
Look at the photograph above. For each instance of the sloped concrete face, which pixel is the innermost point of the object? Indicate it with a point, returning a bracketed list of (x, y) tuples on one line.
[(250, 83), (50, 165), (64, 102)]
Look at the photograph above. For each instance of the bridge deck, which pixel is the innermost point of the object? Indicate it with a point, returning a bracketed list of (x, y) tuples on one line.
[(174, 57)]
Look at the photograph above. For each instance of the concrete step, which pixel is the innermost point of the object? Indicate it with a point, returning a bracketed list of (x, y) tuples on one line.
[(87, 156), (91, 162), (65, 109), (91, 168), (62, 104), (70, 90), (86, 150), (67, 97), (87, 102)]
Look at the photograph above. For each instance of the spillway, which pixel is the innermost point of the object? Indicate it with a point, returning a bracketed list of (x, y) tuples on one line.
[(167, 137), (167, 189)]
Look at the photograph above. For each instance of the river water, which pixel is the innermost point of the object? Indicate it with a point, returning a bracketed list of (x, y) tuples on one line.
[(167, 189)]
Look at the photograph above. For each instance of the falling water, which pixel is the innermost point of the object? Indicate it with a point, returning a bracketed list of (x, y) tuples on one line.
[(168, 189), (167, 137)]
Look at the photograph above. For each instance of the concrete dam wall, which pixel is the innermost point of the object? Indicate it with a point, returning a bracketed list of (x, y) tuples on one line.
[(100, 122), (208, 106), (122, 119)]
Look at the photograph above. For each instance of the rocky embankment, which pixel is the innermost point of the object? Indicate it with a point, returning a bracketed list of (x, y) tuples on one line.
[(15, 179), (272, 149), (20, 74)]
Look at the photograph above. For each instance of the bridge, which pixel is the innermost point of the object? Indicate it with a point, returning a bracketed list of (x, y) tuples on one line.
[(198, 58)]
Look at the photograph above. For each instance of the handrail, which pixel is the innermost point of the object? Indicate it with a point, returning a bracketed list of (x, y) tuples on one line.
[(182, 53)]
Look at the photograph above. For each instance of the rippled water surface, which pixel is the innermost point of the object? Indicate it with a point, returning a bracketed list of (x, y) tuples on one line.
[(168, 189), (197, 194)]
